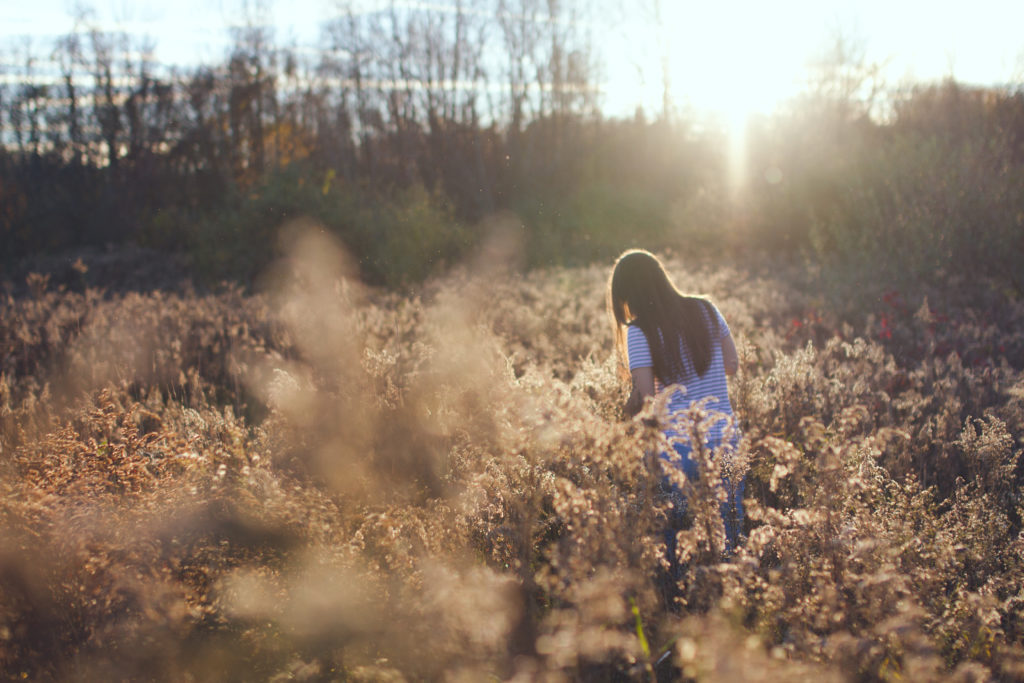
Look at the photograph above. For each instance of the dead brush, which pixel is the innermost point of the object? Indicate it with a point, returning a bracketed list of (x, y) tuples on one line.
[(326, 482)]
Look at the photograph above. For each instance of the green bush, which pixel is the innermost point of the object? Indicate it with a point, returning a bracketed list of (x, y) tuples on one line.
[(594, 223), (398, 239), (924, 205), (407, 238), (888, 203)]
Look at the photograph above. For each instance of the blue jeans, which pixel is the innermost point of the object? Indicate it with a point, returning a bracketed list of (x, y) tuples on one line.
[(731, 508)]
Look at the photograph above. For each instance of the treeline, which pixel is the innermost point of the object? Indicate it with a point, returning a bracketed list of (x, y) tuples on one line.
[(408, 130), (453, 113)]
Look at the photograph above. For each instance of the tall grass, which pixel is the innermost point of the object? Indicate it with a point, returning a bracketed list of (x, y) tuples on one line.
[(330, 482)]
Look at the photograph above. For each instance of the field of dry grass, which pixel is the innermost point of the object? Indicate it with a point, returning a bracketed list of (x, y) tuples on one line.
[(325, 482)]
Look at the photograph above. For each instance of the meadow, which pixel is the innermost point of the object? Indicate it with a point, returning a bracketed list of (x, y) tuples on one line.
[(327, 481)]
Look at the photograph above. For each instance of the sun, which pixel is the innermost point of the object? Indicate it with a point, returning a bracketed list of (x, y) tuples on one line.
[(738, 58), (732, 61), (732, 94)]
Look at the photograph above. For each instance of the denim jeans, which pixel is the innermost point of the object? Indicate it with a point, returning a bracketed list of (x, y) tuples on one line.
[(731, 508)]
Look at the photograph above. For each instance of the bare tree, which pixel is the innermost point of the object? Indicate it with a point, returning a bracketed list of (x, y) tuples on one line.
[(68, 56), (652, 45), (352, 64), (842, 82), (27, 105), (519, 21)]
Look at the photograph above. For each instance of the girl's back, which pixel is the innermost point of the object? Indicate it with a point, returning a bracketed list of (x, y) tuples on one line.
[(709, 387)]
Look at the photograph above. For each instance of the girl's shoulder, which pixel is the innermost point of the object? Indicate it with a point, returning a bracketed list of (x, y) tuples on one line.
[(704, 304), (701, 299), (712, 316)]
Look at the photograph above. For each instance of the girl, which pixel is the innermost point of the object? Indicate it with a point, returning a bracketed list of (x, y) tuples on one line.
[(666, 338)]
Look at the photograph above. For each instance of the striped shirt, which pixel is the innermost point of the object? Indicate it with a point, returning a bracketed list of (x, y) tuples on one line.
[(695, 387)]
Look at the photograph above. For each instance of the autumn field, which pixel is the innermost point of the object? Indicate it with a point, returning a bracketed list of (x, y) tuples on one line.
[(324, 481), (306, 372)]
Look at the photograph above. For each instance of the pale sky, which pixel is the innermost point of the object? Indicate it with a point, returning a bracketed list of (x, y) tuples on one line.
[(725, 56)]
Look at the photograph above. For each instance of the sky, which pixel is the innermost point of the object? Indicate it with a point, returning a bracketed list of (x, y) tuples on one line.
[(733, 57)]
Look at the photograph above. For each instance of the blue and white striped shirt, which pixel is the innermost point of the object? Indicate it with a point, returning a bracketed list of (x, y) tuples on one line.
[(696, 387)]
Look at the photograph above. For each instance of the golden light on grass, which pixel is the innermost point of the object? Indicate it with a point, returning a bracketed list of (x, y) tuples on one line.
[(441, 488)]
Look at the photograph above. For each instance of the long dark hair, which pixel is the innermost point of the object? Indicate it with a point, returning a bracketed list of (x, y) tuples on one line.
[(641, 293)]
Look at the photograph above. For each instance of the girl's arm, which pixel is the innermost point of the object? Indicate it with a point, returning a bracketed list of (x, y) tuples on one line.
[(643, 386), (730, 359)]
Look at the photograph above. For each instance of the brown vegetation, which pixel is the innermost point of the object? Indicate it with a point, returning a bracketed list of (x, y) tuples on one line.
[(325, 482)]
